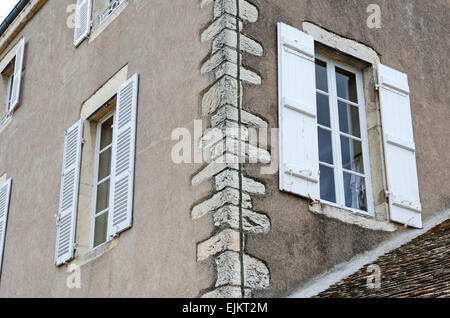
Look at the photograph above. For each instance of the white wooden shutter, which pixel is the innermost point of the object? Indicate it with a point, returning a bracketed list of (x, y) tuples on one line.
[(83, 21), (123, 157), (299, 153), (399, 147), (68, 204), (18, 65), (5, 190)]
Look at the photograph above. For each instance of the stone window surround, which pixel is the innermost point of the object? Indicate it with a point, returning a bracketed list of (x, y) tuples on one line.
[(366, 59), (94, 108), (98, 6)]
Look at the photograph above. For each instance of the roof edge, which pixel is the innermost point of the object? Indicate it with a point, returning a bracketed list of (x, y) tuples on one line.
[(17, 19), (322, 282), (12, 15)]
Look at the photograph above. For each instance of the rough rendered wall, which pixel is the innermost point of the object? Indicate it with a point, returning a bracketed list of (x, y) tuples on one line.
[(160, 39), (414, 38)]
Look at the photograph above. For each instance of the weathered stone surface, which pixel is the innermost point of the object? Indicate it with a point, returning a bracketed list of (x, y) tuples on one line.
[(230, 178), (228, 292), (225, 55), (216, 166), (231, 112), (230, 69), (227, 240), (247, 11), (248, 153), (256, 273), (227, 196), (229, 38), (226, 21), (223, 92), (252, 222)]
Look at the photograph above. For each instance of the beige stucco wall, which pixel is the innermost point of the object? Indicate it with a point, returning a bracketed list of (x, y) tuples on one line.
[(413, 39), (156, 258), (160, 39)]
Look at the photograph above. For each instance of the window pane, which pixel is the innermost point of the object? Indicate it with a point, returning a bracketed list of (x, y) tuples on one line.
[(106, 133), (323, 110), (325, 147), (349, 119), (321, 76), (355, 192), (102, 196), (327, 188), (346, 85), (352, 155), (104, 164), (100, 230)]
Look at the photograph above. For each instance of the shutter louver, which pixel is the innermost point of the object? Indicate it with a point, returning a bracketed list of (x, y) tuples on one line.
[(123, 157), (18, 65), (83, 26), (399, 148), (67, 217), (299, 154), (5, 190)]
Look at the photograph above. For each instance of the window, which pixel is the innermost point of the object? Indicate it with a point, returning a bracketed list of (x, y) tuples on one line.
[(323, 138), (8, 79), (102, 181), (94, 16), (110, 7), (98, 172), (343, 146)]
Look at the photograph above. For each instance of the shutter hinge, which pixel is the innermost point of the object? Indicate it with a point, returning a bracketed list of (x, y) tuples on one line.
[(83, 141), (377, 87)]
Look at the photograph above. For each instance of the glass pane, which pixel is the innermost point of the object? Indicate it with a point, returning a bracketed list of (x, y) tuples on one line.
[(355, 192), (349, 119), (104, 164), (325, 147), (323, 110), (352, 158), (321, 76), (100, 231), (327, 188), (102, 196), (106, 133), (346, 85)]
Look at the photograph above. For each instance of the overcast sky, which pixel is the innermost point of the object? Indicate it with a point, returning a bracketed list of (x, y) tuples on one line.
[(5, 8)]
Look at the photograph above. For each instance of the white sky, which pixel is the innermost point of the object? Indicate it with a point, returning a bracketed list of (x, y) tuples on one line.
[(5, 8)]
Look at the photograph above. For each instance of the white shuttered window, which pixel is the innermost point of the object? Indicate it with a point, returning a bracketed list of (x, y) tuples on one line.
[(5, 190), (67, 216), (18, 65), (324, 152), (299, 157), (83, 21), (399, 147), (123, 158)]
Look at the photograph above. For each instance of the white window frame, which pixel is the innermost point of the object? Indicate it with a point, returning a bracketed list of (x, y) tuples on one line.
[(8, 93), (97, 182), (110, 7), (336, 140)]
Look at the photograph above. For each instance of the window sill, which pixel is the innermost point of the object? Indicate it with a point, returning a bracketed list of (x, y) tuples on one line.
[(350, 217), (92, 255), (97, 30)]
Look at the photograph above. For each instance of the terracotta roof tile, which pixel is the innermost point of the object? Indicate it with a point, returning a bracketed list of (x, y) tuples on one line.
[(420, 268)]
